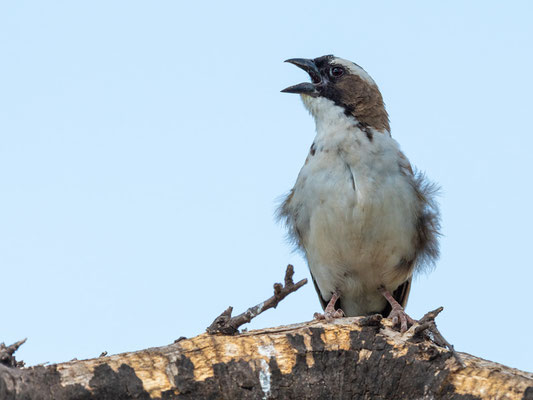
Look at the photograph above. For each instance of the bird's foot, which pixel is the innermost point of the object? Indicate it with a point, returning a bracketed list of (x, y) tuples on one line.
[(399, 316), (329, 315), (329, 312)]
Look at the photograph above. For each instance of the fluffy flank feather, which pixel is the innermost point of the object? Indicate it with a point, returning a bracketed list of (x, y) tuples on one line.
[(288, 219), (428, 222)]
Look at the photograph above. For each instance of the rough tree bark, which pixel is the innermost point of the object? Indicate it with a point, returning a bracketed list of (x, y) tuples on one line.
[(350, 358)]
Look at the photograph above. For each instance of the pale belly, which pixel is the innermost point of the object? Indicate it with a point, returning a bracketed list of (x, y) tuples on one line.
[(357, 231)]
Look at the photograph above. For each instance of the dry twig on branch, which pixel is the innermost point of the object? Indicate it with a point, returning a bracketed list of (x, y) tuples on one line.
[(229, 325), (7, 357)]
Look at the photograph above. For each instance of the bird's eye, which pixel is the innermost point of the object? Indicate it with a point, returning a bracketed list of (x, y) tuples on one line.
[(336, 71)]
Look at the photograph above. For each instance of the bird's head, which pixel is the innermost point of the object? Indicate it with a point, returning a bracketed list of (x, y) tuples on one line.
[(336, 82)]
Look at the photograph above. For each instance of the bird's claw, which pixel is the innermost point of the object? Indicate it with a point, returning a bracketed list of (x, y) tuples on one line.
[(399, 316), (329, 315)]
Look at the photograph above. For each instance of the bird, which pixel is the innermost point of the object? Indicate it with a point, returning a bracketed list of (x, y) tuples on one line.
[(365, 220)]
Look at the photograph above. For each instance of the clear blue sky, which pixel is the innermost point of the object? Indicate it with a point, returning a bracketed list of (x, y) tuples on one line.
[(144, 145)]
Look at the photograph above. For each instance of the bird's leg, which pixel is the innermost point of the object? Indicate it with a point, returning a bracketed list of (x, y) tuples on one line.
[(397, 313), (329, 312)]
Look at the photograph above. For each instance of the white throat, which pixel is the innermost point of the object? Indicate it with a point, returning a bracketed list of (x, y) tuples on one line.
[(328, 116)]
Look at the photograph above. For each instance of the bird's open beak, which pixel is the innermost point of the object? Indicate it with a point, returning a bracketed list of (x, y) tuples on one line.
[(305, 87)]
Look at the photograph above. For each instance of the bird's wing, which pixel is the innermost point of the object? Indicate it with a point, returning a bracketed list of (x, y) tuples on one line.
[(401, 294), (323, 302)]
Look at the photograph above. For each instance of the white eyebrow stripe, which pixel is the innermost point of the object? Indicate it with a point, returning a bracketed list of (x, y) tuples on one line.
[(354, 69)]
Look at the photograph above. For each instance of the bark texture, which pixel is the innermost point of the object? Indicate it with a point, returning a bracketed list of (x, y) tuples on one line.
[(344, 359)]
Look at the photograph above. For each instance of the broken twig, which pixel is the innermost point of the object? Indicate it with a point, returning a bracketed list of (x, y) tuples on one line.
[(427, 328), (6, 354), (229, 325)]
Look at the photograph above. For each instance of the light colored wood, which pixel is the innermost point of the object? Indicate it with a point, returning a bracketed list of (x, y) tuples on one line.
[(159, 368)]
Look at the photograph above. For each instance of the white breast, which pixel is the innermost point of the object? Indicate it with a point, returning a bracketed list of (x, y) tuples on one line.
[(354, 211)]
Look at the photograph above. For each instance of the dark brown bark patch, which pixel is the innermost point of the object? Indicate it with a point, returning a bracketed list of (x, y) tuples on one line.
[(528, 394), (233, 380), (43, 383), (124, 384)]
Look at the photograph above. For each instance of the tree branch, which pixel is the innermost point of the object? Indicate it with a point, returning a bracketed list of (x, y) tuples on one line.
[(349, 358), (427, 327), (7, 357), (228, 325)]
